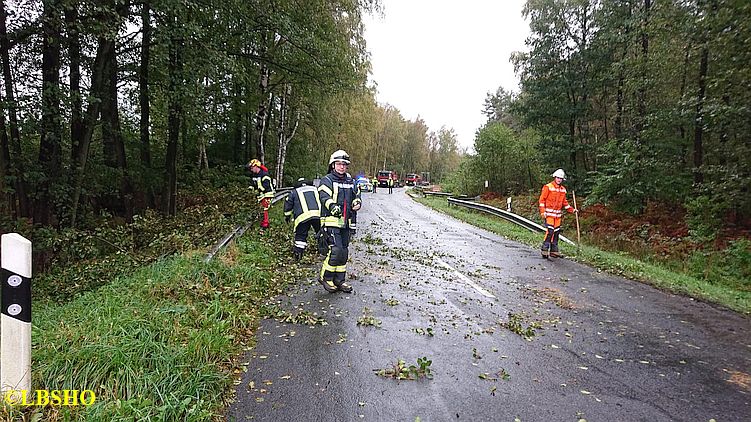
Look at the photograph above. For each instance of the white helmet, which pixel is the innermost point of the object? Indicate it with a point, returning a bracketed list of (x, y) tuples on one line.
[(339, 155), (559, 173)]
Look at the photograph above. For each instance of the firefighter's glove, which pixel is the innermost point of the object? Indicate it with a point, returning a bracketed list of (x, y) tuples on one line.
[(356, 204), (336, 210)]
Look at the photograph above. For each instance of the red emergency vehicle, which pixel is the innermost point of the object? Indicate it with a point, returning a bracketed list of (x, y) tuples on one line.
[(412, 179), (384, 176)]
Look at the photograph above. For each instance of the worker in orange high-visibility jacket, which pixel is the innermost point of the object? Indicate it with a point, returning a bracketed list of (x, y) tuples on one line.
[(261, 182), (552, 203)]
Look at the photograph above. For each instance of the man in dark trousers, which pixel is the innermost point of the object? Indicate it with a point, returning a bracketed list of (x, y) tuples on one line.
[(340, 201), (391, 185), (302, 204)]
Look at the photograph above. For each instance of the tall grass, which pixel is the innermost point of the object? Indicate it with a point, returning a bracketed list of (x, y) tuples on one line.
[(661, 276), (161, 343)]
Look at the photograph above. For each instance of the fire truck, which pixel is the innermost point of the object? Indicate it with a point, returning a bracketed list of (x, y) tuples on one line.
[(412, 179), (384, 176)]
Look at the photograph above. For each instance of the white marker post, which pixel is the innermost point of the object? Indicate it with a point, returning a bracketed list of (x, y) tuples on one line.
[(15, 320)]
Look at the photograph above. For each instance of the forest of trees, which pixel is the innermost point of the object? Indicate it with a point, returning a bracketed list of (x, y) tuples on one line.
[(115, 105), (111, 106), (640, 101)]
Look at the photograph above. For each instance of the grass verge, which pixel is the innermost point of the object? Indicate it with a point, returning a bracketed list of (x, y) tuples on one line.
[(614, 263), (162, 343)]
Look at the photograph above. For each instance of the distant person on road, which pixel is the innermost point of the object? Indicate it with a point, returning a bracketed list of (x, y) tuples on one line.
[(303, 205), (340, 199), (375, 184), (552, 201), (391, 185), (261, 182)]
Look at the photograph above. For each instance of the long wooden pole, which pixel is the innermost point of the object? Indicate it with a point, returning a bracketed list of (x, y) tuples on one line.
[(578, 232)]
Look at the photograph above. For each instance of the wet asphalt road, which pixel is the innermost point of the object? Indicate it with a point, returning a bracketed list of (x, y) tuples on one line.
[(605, 348)]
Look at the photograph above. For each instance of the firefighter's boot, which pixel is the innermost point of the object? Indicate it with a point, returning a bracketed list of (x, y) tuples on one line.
[(344, 287), (328, 285), (297, 253)]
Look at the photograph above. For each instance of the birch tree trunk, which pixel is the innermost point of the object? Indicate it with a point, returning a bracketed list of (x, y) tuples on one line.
[(284, 138), (263, 86)]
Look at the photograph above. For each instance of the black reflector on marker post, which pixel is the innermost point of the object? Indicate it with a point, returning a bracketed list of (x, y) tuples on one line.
[(15, 318)]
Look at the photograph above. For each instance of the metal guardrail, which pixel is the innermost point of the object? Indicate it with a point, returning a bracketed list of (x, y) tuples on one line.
[(450, 195), (426, 193), (238, 231), (280, 194), (514, 218)]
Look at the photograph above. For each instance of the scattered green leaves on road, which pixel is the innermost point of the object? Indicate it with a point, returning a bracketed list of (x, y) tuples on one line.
[(367, 319), (515, 325), (401, 371)]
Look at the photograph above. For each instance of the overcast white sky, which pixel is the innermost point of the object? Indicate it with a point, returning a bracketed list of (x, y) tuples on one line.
[(439, 58)]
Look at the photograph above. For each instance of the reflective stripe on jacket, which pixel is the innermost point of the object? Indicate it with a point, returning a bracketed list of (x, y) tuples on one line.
[(340, 190), (262, 183), (303, 204), (552, 200)]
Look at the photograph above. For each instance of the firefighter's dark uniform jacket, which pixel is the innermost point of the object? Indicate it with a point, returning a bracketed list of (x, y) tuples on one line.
[(302, 204), (337, 190), (261, 182), (340, 190)]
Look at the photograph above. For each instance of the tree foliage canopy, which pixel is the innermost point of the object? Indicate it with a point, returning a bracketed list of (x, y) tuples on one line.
[(110, 107)]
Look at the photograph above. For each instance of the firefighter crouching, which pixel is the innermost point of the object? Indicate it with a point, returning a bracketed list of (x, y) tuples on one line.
[(261, 182), (303, 205), (340, 199), (552, 201)]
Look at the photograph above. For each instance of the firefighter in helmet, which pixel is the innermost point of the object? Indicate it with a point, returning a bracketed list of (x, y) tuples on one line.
[(552, 203), (303, 205), (261, 182), (340, 201)]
